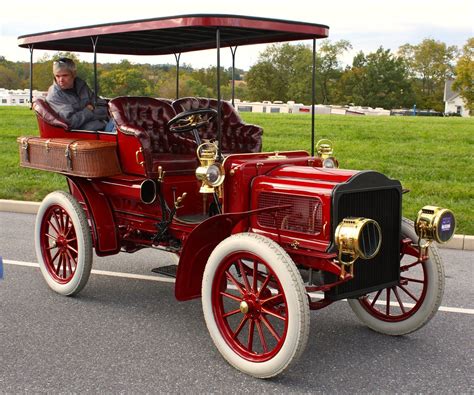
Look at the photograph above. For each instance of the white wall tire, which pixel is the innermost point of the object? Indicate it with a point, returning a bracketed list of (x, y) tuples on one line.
[(241, 312), (63, 243), (411, 304)]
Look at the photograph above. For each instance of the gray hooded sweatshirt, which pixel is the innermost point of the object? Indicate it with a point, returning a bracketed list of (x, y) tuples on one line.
[(70, 104)]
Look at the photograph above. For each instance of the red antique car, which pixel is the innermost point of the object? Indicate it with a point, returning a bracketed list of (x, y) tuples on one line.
[(261, 237)]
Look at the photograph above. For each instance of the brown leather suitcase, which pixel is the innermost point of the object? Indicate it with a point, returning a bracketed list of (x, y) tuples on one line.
[(84, 158)]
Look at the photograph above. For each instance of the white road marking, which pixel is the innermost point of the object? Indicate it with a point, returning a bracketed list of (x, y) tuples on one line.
[(103, 272), (172, 280)]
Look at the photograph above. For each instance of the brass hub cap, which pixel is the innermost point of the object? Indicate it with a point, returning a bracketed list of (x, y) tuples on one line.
[(244, 307)]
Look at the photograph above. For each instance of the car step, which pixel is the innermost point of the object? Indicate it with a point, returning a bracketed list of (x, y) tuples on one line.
[(169, 270)]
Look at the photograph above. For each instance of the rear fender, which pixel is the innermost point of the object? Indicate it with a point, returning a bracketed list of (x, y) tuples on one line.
[(100, 214), (199, 245)]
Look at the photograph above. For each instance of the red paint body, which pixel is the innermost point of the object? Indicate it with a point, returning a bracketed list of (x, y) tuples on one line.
[(287, 197), (120, 220)]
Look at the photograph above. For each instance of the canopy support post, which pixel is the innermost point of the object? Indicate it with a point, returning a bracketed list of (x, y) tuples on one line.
[(96, 83), (219, 127), (233, 51), (313, 96), (31, 47), (177, 57)]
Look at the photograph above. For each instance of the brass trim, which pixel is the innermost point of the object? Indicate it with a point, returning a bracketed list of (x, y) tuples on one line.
[(138, 152), (244, 307), (428, 221)]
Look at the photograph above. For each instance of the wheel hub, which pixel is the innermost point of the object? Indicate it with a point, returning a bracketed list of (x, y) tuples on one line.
[(251, 306), (61, 242), (244, 307)]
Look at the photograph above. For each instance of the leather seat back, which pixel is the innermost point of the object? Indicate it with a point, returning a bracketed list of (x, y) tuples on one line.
[(47, 114), (237, 136), (146, 118)]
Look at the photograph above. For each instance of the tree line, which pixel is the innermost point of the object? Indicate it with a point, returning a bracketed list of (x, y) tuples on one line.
[(413, 75)]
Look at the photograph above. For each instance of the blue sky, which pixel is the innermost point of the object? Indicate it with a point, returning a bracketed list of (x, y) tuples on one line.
[(367, 24)]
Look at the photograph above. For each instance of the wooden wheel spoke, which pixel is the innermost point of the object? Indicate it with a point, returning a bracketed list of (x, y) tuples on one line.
[(375, 298), (264, 285), (55, 256), (273, 314), (387, 306), (230, 313), (57, 269), (263, 341), (67, 228), (71, 240), (254, 274), (65, 266), (413, 280), (243, 273), (239, 328), (59, 222), (73, 259), (250, 337), (54, 228), (270, 328), (408, 293), (230, 296), (404, 268), (235, 282), (51, 237), (274, 299), (72, 249), (400, 303)]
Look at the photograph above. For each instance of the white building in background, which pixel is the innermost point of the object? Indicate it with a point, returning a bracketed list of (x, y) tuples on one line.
[(297, 108), (18, 97), (453, 101)]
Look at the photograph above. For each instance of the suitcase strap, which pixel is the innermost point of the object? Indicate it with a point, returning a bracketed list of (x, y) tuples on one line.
[(68, 155), (25, 148)]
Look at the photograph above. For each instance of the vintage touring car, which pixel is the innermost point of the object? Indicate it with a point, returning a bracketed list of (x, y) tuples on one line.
[(261, 237)]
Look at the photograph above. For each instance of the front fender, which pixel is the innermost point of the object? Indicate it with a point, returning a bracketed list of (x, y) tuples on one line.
[(199, 245)]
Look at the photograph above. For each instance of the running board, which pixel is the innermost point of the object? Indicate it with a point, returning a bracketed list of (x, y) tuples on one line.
[(169, 270)]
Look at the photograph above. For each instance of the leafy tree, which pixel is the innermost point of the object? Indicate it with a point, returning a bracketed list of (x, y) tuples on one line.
[(263, 83), (123, 81), (377, 80), (464, 81), (330, 68), (284, 72), (429, 64), (8, 78), (274, 76)]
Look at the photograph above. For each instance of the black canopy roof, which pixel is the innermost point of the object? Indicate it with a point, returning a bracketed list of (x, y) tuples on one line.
[(175, 34)]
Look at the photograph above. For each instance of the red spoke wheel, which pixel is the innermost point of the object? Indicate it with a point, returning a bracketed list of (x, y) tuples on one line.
[(410, 304), (255, 305), (63, 243)]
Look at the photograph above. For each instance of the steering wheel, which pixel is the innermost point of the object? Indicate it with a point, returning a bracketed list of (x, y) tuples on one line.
[(191, 120)]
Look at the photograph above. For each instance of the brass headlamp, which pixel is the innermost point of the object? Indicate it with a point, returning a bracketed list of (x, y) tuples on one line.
[(435, 223), (325, 152), (357, 238), (210, 173)]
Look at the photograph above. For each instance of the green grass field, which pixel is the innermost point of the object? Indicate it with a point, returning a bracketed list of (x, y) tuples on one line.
[(433, 157)]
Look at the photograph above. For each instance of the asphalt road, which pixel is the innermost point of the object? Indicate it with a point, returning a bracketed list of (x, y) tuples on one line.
[(131, 335)]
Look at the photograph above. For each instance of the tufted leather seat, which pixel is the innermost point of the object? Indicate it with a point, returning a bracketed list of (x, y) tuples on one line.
[(237, 136), (46, 114), (146, 118)]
